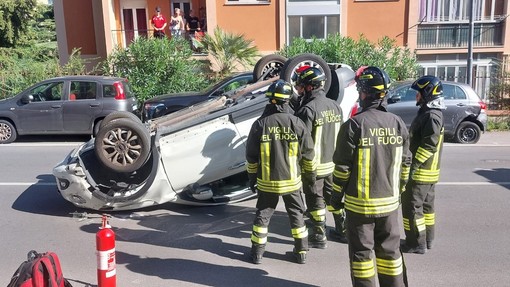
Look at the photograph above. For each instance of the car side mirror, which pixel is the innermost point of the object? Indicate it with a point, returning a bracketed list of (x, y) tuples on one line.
[(27, 99), (394, 99)]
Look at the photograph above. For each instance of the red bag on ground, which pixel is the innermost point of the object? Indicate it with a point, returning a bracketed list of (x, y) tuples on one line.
[(40, 270)]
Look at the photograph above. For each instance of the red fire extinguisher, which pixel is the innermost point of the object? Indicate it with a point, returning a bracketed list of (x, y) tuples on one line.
[(105, 246)]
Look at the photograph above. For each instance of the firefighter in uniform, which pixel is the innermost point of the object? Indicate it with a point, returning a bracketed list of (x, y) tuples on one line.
[(426, 141), (372, 161), (323, 117), (279, 152)]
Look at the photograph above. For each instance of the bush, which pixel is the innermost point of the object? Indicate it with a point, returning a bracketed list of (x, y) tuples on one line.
[(156, 67), (399, 63), (498, 123)]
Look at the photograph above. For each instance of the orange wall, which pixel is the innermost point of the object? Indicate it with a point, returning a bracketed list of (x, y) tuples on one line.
[(80, 26), (377, 19), (256, 22)]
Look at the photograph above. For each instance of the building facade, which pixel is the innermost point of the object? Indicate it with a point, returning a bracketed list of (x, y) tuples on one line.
[(437, 30)]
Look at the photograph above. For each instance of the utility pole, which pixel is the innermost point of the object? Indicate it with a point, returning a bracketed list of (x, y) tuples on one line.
[(470, 44)]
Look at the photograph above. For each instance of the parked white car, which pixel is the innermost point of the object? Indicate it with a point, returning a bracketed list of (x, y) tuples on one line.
[(194, 156)]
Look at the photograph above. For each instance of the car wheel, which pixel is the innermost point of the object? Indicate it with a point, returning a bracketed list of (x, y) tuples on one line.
[(8, 132), (468, 133), (308, 59), (123, 145), (268, 67), (117, 115)]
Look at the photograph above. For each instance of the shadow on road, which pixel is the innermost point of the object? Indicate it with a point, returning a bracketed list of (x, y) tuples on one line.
[(52, 138), (496, 175), (43, 198)]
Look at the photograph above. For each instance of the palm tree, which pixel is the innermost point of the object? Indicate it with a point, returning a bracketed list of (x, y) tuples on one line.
[(230, 50)]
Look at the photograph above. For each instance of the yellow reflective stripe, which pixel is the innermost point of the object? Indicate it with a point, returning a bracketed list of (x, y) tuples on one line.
[(404, 174), (364, 173), (337, 188), (397, 162), (258, 240), (423, 175), (420, 224), (308, 166), (265, 158), (319, 215), (405, 221), (260, 229), (422, 154), (364, 269), (325, 168), (341, 175), (430, 218), (293, 159), (390, 267), (337, 130), (300, 232), (252, 167), (435, 160), (371, 206), (317, 144), (281, 186)]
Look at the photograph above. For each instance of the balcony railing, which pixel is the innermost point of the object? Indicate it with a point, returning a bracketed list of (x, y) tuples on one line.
[(434, 36)]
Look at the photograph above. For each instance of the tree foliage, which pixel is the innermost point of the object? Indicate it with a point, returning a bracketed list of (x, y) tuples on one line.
[(157, 66), (400, 63), (230, 50), (14, 21)]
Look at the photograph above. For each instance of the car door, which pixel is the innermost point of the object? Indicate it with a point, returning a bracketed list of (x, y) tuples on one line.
[(457, 106), (81, 106), (203, 153), (44, 112)]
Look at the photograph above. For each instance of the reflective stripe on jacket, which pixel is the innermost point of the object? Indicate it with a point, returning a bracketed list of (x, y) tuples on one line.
[(323, 117), (372, 162), (426, 141), (279, 148)]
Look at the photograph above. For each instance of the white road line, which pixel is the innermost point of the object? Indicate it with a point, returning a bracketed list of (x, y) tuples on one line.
[(46, 144), (27, 183)]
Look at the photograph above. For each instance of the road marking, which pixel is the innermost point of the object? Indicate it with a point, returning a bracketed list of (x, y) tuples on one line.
[(41, 144), (474, 183), (477, 145), (27, 183)]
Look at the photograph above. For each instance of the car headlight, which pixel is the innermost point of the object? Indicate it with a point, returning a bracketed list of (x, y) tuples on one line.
[(63, 183)]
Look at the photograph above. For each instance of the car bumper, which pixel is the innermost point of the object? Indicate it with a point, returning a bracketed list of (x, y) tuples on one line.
[(482, 118)]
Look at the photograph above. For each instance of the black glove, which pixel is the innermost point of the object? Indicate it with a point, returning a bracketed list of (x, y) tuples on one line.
[(309, 177), (253, 181), (336, 200)]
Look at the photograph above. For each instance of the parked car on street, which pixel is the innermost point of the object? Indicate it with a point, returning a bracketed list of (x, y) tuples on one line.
[(193, 156), (64, 105), (169, 103), (465, 117)]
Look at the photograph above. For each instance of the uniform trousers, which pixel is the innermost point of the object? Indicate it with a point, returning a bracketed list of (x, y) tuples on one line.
[(418, 213), (266, 205), (380, 236)]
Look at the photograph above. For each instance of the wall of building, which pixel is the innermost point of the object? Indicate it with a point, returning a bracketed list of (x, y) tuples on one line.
[(80, 28), (376, 19)]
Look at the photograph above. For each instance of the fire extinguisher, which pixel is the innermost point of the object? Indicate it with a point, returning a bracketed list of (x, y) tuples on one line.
[(105, 248)]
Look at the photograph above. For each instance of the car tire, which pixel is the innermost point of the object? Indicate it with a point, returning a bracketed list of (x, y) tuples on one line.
[(468, 133), (312, 60), (123, 145), (8, 132), (118, 115), (268, 67)]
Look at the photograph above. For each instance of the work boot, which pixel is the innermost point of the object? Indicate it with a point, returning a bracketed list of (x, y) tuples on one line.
[(318, 238), (300, 256), (416, 249), (257, 250)]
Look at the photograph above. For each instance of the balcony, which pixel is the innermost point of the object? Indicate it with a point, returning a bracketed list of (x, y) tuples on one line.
[(437, 36)]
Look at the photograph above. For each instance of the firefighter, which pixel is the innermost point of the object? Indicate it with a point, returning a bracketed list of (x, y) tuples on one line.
[(279, 152), (426, 141), (323, 117), (372, 161)]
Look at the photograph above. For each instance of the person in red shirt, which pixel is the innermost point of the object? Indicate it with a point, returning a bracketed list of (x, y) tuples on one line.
[(158, 22)]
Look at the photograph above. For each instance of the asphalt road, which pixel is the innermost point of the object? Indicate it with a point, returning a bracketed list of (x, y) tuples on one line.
[(172, 245)]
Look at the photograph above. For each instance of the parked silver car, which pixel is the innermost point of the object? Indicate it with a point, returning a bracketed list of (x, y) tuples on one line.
[(64, 105), (465, 117), (193, 156)]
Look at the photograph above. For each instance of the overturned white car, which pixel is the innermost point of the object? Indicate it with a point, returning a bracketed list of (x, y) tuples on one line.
[(194, 156)]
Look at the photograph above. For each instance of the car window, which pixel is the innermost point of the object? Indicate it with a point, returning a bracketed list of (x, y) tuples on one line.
[(452, 92), (405, 93), (109, 91), (237, 84), (48, 92), (81, 90)]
